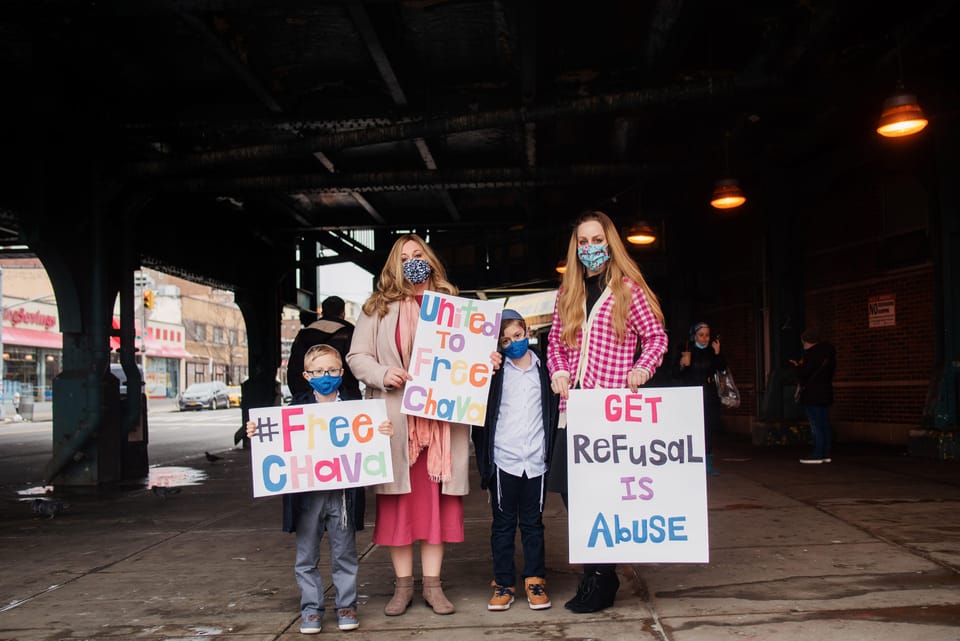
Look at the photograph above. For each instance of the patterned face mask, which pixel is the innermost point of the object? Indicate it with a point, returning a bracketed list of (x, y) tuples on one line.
[(416, 270), (593, 256)]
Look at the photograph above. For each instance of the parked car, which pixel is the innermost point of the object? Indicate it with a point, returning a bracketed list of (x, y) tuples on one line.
[(117, 370), (200, 395), (233, 392)]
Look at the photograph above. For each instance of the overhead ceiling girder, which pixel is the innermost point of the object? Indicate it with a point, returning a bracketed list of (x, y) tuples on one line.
[(593, 105)]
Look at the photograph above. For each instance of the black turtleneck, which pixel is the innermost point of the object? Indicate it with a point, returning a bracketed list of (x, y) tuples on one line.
[(594, 286)]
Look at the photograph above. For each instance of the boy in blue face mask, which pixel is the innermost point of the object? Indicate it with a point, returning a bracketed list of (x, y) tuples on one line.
[(513, 451), (338, 512)]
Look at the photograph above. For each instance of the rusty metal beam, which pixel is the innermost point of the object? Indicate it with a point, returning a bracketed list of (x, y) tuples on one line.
[(442, 126)]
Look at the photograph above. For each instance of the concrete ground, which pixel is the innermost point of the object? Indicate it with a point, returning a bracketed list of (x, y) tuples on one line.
[(867, 547)]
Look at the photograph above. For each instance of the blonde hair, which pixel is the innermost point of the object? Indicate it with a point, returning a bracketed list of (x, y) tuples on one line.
[(393, 286), (321, 350), (573, 294)]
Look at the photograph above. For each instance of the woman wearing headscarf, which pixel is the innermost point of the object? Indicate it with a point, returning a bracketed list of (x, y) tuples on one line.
[(695, 366)]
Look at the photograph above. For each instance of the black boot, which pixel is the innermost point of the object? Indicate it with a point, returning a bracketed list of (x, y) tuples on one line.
[(596, 591)]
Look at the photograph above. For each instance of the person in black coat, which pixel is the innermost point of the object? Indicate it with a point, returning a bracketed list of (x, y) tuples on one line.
[(331, 329), (815, 391), (513, 450), (696, 365)]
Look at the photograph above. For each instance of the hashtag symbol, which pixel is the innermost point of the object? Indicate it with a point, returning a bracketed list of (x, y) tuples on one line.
[(265, 429)]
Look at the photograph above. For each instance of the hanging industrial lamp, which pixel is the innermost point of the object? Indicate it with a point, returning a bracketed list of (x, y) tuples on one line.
[(726, 192), (901, 115), (641, 234)]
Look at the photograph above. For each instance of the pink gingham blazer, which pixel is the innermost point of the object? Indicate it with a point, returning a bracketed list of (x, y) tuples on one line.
[(609, 360)]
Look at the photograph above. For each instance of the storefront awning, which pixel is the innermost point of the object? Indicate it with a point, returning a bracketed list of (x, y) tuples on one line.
[(167, 351), (32, 338)]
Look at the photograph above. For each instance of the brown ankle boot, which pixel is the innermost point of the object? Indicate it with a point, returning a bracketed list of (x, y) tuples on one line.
[(402, 596), (434, 596)]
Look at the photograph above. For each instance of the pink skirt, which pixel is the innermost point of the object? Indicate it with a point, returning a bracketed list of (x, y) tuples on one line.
[(425, 514)]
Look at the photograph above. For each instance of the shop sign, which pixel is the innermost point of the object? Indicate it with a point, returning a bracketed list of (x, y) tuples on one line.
[(22, 316)]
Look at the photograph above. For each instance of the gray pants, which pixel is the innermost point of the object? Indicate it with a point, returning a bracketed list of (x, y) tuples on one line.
[(322, 511)]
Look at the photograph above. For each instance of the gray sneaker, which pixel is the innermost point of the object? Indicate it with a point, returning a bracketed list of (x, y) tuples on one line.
[(347, 619), (311, 624)]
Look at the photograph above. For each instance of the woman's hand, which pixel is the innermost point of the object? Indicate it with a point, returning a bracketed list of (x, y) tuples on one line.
[(386, 427), (638, 376), (560, 384), (715, 344), (251, 429), (395, 377), (496, 360)]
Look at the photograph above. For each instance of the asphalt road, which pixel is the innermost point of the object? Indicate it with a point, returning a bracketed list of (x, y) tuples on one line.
[(174, 436)]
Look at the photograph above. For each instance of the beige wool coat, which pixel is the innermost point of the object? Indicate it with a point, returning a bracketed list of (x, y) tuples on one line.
[(373, 350)]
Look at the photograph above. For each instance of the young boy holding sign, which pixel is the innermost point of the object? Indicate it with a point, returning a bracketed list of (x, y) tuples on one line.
[(513, 449), (339, 512)]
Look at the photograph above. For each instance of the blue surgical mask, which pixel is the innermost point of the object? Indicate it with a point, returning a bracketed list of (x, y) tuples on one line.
[(416, 270), (517, 349), (326, 385), (699, 346), (593, 256)]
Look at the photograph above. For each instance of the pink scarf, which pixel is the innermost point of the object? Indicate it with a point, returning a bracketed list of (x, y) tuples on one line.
[(423, 433)]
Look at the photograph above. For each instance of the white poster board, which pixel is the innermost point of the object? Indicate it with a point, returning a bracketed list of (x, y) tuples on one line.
[(450, 362), (319, 446), (637, 476)]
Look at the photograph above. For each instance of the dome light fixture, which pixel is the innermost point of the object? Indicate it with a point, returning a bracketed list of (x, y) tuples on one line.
[(901, 116), (641, 234), (727, 194)]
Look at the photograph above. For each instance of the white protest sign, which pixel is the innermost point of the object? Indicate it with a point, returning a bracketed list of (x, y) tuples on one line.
[(450, 362), (319, 446), (637, 476)]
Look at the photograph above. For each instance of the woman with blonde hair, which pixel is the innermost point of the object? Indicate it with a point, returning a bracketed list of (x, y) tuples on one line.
[(430, 457), (603, 310)]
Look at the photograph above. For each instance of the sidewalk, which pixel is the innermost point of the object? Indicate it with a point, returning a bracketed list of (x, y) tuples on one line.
[(867, 547)]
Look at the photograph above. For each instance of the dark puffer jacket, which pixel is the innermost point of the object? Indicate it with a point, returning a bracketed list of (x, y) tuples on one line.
[(815, 374)]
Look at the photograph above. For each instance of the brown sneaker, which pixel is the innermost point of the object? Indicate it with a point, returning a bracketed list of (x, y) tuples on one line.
[(502, 597), (536, 593)]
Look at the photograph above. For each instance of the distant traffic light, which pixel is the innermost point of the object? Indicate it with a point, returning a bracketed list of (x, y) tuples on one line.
[(148, 299)]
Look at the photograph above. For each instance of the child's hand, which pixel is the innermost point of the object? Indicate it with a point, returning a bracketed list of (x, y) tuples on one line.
[(386, 427), (251, 429), (496, 359)]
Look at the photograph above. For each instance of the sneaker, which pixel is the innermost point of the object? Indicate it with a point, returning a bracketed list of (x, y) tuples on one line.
[(311, 624), (347, 619), (811, 461), (502, 597), (536, 593)]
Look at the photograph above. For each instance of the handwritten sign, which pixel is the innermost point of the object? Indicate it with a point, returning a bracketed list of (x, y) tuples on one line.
[(637, 476), (450, 362), (320, 446)]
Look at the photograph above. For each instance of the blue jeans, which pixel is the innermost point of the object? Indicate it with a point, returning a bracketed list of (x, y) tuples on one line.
[(819, 418), (517, 501)]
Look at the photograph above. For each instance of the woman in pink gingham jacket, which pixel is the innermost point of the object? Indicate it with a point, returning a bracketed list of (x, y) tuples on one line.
[(603, 310)]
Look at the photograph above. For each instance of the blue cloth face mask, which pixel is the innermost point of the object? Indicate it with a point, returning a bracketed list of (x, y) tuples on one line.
[(593, 256), (517, 349), (326, 385), (416, 270)]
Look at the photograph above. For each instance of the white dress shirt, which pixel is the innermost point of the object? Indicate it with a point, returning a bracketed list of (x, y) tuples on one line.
[(518, 446)]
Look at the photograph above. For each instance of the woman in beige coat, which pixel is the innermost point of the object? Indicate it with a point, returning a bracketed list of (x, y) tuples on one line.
[(430, 457)]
